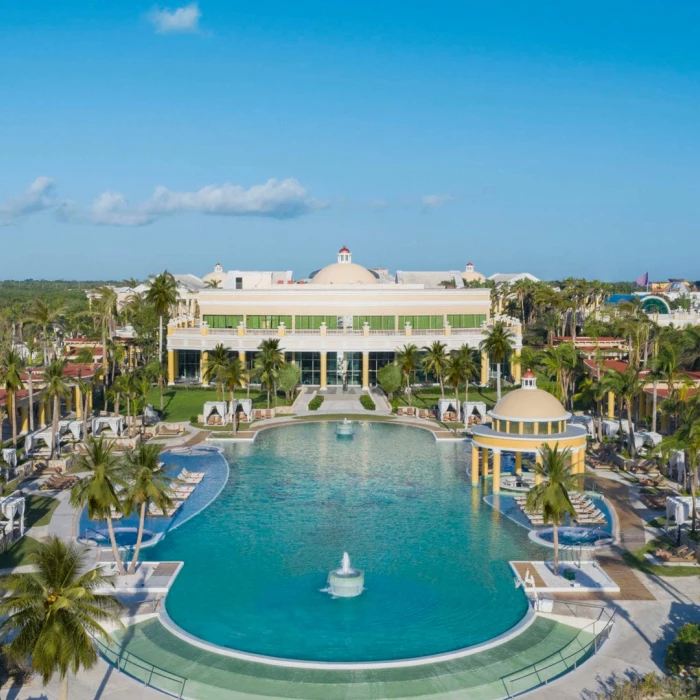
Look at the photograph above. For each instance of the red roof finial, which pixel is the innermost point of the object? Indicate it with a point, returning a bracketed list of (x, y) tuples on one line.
[(344, 249), (529, 374)]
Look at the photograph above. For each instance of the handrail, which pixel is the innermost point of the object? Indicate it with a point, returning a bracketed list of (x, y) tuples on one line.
[(120, 658), (538, 668)]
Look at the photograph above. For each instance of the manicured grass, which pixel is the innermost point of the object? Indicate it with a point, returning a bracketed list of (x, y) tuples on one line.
[(637, 560), (182, 404), (340, 416), (18, 554), (427, 397), (39, 510)]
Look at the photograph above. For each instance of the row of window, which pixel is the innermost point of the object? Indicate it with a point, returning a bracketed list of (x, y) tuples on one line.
[(376, 323), (528, 428)]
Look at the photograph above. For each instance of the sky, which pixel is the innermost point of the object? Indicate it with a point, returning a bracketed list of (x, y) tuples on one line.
[(556, 138)]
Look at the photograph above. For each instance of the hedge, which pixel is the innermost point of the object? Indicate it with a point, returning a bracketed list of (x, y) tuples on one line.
[(315, 403), (367, 402)]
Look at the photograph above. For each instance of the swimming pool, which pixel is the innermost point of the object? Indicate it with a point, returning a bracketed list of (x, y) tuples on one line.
[(435, 556)]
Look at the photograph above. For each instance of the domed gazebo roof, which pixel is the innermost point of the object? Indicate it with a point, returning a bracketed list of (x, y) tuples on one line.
[(344, 272), (529, 404)]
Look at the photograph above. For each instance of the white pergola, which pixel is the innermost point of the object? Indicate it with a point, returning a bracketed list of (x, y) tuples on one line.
[(218, 408), (245, 405), (11, 507)]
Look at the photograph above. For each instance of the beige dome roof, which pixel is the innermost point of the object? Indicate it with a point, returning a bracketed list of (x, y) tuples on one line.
[(529, 405), (344, 273)]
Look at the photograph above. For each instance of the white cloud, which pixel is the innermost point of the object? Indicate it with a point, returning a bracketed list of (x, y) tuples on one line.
[(435, 201), (37, 197), (180, 20), (112, 209), (280, 199)]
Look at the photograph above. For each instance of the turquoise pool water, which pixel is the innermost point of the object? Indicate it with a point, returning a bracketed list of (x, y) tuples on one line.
[(434, 554)]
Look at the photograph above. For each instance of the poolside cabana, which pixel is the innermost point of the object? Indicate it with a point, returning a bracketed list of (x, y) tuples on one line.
[(244, 406), (74, 427), (523, 421), (448, 409), (33, 442), (585, 422), (680, 508), (114, 423), (12, 507), (612, 427), (474, 412), (215, 413), (9, 455)]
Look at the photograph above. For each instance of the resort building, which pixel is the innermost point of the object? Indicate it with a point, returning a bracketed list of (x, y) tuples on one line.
[(340, 326), (521, 423)]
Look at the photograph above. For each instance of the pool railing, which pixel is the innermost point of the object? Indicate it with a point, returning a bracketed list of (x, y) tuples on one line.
[(149, 674), (558, 663)]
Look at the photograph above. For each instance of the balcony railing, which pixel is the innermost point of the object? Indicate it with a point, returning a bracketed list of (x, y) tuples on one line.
[(274, 332)]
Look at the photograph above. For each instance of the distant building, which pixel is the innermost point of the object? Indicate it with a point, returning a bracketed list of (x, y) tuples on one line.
[(471, 275), (511, 277)]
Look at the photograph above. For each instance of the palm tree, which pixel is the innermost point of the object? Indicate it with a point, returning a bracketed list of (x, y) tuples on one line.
[(149, 486), (267, 364), (454, 373), (234, 376), (465, 358), (497, 344), (551, 496), (44, 316), (99, 488), (212, 284), (408, 361), (435, 361), (56, 388), (217, 361), (119, 387), (595, 390), (30, 380), (10, 367), (54, 612), (560, 363), (162, 294), (158, 373), (627, 385)]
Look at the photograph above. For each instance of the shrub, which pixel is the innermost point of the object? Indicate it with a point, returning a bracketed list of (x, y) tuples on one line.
[(367, 402), (389, 378), (649, 687), (316, 402), (683, 654)]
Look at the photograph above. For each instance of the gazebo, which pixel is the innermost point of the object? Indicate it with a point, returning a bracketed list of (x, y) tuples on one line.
[(212, 409), (524, 421)]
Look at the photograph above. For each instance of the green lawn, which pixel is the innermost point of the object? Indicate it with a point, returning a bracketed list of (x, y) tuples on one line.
[(39, 510), (18, 554), (427, 397)]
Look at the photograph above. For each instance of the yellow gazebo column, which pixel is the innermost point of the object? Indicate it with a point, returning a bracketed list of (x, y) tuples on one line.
[(324, 369), (582, 461), (204, 362), (24, 412), (538, 460), (365, 371), (475, 465), (611, 405), (42, 412), (496, 471), (484, 379), (78, 402), (518, 462), (484, 462), (171, 366)]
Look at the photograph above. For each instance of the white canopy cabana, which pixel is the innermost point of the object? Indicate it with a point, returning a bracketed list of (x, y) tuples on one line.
[(471, 409), (245, 406), (150, 415), (612, 427), (680, 508), (32, 440), (9, 454), (114, 423), (586, 422), (215, 408), (74, 427), (677, 462), (650, 439), (12, 507), (447, 406)]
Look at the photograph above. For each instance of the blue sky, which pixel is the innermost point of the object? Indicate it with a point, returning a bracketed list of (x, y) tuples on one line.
[(557, 138)]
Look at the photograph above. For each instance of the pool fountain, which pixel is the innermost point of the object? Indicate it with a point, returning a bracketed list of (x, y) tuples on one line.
[(344, 429), (346, 582)]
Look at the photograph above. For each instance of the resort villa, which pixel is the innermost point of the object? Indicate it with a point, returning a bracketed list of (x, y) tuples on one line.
[(340, 326)]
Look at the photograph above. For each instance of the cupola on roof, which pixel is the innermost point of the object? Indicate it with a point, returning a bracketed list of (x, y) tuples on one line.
[(345, 271), (529, 404)]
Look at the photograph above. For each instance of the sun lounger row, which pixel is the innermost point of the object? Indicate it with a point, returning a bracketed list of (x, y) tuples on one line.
[(677, 555), (190, 477), (587, 513), (58, 482), (154, 511)]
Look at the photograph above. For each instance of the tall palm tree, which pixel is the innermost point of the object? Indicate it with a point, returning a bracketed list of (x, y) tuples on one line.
[(465, 358), (551, 496), (149, 485), (217, 360), (162, 294), (627, 385), (267, 364), (11, 365), (158, 373), (408, 361), (454, 373), (44, 316), (435, 361), (560, 364), (56, 388), (497, 344), (233, 377), (31, 346), (54, 612), (99, 489)]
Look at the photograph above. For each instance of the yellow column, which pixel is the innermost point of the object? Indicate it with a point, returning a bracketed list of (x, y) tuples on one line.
[(42, 413), (171, 367), (324, 368), (611, 405), (484, 379), (515, 368), (47, 404), (496, 471), (518, 462), (89, 402), (204, 361), (69, 401), (365, 371), (24, 412), (475, 465), (484, 462), (78, 403), (538, 460), (582, 461)]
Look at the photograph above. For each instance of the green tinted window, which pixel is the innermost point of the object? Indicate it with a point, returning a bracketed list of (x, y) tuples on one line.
[(221, 321)]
